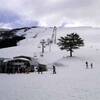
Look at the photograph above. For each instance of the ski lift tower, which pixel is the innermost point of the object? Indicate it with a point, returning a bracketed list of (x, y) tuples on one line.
[(43, 45), (54, 35)]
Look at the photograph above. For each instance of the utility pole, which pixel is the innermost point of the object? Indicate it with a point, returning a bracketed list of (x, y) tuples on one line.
[(43, 45), (54, 35)]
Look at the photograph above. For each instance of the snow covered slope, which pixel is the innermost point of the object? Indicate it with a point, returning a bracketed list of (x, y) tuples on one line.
[(72, 81), (31, 45)]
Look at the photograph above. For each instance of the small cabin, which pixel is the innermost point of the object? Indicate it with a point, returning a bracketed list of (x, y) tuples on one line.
[(42, 67)]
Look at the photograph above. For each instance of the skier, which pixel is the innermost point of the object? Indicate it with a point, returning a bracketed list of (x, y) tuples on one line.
[(91, 65), (54, 69), (86, 64)]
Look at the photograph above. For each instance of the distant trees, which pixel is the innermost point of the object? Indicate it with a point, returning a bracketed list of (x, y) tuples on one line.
[(9, 39), (70, 42), (9, 42)]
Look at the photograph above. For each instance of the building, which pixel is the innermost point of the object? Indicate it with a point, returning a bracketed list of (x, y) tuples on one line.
[(21, 64)]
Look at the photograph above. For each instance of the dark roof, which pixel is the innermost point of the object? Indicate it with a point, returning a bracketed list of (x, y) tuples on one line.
[(18, 60), (29, 58)]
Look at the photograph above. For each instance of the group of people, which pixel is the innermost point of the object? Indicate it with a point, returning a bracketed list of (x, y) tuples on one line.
[(87, 65), (54, 68), (39, 69)]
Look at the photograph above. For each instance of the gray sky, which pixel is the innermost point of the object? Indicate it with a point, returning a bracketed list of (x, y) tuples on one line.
[(18, 13)]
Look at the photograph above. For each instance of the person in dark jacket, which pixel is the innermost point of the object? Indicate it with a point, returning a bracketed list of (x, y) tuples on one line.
[(54, 69), (39, 69), (86, 64), (91, 65)]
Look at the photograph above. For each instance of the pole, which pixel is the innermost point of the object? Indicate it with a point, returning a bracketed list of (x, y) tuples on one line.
[(43, 45)]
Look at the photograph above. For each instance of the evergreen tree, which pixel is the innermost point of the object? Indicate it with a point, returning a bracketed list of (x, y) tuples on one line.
[(70, 42)]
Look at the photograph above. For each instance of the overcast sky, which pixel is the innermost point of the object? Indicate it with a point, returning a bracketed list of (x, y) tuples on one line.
[(19, 13)]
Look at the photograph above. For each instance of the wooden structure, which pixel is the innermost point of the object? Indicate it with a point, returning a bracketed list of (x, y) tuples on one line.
[(19, 64)]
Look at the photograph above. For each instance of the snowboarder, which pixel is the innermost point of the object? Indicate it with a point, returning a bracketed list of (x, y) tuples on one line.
[(91, 65), (54, 69), (86, 64)]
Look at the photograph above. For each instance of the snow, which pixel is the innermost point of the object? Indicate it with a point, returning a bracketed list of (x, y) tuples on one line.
[(72, 81)]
